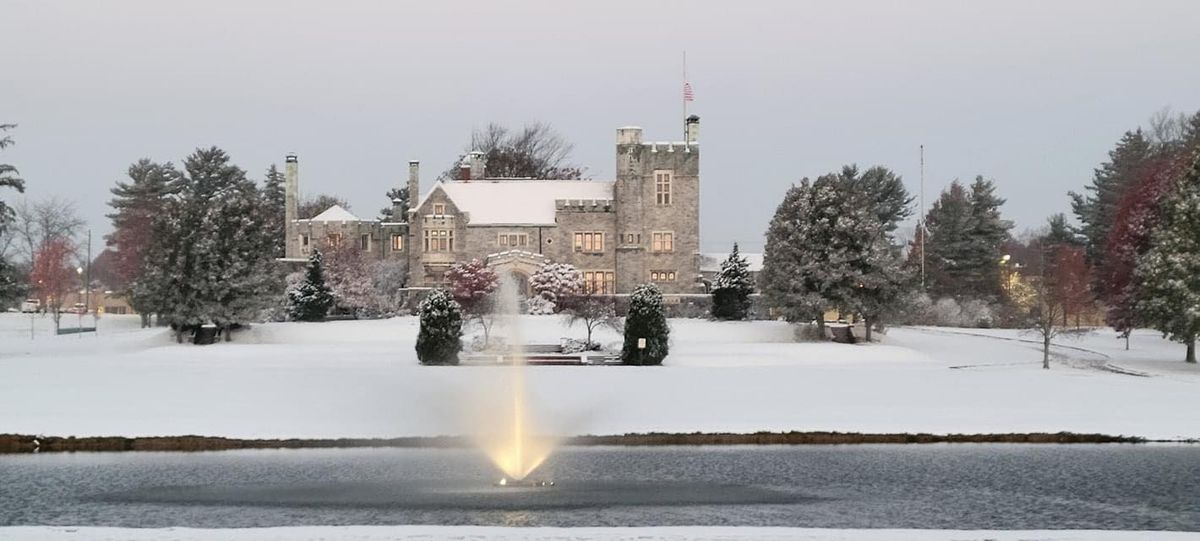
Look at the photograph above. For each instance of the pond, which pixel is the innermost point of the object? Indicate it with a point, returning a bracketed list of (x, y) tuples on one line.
[(959, 486)]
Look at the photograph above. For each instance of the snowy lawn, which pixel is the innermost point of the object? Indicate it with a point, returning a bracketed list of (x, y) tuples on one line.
[(479, 533), (361, 379)]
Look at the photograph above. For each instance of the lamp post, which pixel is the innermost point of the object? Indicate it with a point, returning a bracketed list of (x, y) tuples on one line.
[(79, 314)]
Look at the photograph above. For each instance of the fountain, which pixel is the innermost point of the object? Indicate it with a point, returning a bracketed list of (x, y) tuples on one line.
[(508, 434)]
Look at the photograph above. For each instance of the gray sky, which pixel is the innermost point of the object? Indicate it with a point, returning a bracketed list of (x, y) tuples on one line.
[(1032, 94)]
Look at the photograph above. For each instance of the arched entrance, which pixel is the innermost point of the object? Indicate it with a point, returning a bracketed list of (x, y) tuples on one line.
[(518, 265)]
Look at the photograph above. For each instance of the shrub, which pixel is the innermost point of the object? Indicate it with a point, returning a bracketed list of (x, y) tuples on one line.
[(440, 337), (311, 299), (809, 332), (646, 320)]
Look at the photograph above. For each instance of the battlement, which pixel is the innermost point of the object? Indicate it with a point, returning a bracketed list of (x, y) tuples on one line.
[(671, 146), (583, 205)]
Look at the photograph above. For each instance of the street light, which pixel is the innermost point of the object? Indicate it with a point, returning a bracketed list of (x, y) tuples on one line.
[(79, 326)]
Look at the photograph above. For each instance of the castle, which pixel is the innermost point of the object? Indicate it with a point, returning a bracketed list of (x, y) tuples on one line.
[(643, 227)]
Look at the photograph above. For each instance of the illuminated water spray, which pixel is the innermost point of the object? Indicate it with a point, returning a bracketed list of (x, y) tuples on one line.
[(509, 437)]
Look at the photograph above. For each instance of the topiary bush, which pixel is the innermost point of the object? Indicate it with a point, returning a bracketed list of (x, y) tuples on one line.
[(647, 320), (440, 337)]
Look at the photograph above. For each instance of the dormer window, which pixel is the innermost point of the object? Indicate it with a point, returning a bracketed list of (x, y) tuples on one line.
[(439, 209)]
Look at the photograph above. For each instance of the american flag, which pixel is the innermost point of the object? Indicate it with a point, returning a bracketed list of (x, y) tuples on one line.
[(688, 95)]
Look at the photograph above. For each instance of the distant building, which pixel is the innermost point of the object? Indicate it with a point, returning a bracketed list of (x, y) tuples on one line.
[(643, 227)]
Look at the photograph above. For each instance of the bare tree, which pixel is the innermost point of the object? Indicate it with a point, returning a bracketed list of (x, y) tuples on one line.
[(535, 151), (1049, 312), (311, 206), (593, 312), (39, 222)]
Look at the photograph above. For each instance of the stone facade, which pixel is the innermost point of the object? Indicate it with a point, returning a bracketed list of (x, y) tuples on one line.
[(643, 227)]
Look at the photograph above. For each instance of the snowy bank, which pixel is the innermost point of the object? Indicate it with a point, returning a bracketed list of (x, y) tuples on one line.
[(361, 379), (705, 533)]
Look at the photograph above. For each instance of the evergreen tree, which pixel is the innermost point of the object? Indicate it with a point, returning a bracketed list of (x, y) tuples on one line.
[(274, 196), (793, 260), (1096, 209), (312, 298), (440, 337), (988, 233), (1059, 232), (731, 293), (136, 205), (646, 320), (8, 178), (387, 213), (210, 258), (1168, 274), (880, 189), (949, 246)]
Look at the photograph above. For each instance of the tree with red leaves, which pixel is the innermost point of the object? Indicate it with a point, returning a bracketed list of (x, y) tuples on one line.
[(472, 284), (1071, 279), (53, 275), (1137, 216)]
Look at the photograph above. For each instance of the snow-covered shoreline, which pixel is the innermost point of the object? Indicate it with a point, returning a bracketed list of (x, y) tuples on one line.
[(360, 379), (694, 533)]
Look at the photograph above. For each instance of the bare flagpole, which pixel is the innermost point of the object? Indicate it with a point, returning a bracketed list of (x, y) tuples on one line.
[(921, 218), (683, 95)]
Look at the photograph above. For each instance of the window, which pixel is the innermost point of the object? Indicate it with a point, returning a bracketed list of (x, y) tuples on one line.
[(364, 243), (439, 209), (513, 239), (439, 240), (662, 276), (599, 282), (662, 187), (589, 241), (633, 238), (662, 241), (397, 243), (333, 240)]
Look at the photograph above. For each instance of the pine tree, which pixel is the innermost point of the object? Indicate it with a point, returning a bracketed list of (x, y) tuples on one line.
[(731, 293), (795, 256), (880, 189), (440, 337), (949, 245), (1059, 232), (210, 257), (312, 298), (1097, 208), (136, 205), (1168, 274), (389, 213), (988, 233), (646, 320), (9, 286), (274, 197)]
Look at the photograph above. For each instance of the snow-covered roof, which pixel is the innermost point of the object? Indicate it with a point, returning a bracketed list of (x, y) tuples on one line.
[(491, 201), (336, 214), (711, 261)]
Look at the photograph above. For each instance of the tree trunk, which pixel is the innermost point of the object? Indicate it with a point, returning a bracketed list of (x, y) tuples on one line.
[(1046, 351), (226, 331), (1191, 350), (178, 336), (867, 328), (821, 324), (1126, 340), (145, 319)]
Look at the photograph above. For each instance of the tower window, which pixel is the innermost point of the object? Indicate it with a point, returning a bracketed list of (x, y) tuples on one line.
[(662, 187), (662, 241), (589, 241), (397, 243)]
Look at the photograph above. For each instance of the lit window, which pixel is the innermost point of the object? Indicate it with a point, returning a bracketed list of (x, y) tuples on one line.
[(439, 209), (513, 239), (599, 282), (397, 243), (439, 240), (662, 276), (662, 187), (663, 241), (589, 241), (333, 240)]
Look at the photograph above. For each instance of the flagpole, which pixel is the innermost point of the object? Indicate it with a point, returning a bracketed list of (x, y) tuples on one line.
[(921, 219), (684, 97)]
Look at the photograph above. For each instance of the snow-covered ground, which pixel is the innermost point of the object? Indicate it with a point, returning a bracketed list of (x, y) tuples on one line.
[(477, 533), (361, 379)]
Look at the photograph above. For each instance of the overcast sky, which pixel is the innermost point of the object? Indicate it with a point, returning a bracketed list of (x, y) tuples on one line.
[(1032, 94)]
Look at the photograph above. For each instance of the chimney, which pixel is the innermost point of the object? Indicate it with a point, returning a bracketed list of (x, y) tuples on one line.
[(414, 186), (692, 129), (291, 187), (478, 165), (291, 205), (464, 170)]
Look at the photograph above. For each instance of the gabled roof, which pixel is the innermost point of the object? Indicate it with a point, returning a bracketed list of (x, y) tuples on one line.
[(495, 202), (336, 214)]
